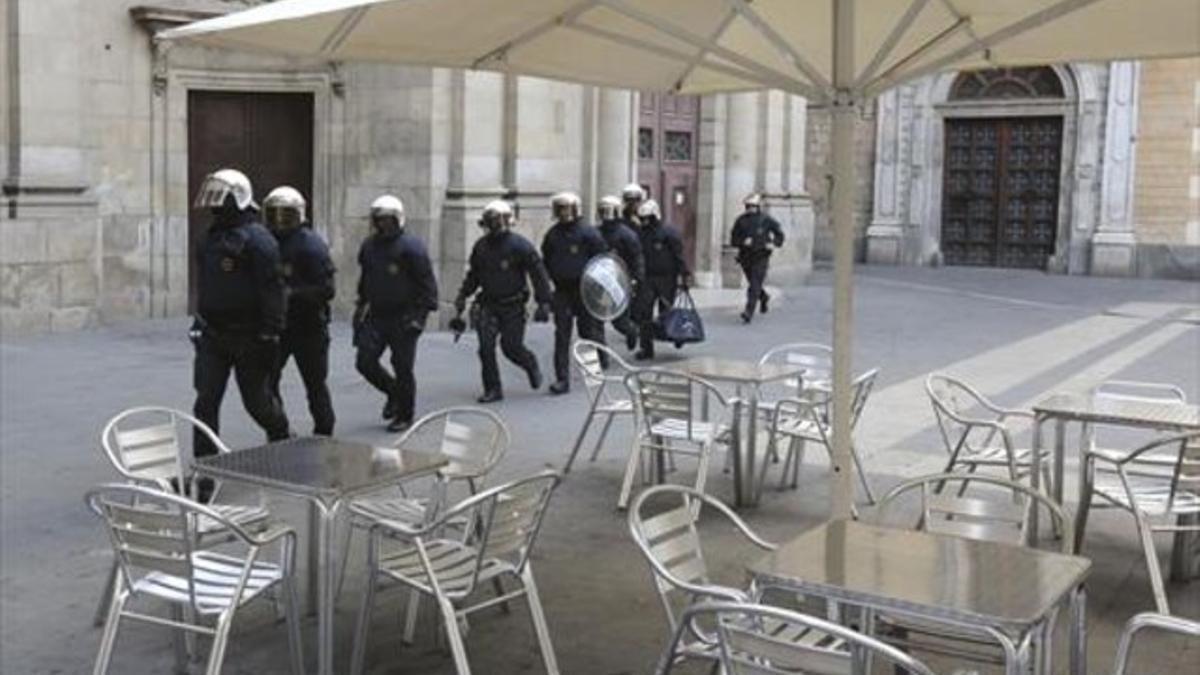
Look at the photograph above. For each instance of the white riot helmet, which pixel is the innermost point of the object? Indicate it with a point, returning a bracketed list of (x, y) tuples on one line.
[(649, 210), (565, 207), (387, 214), (497, 216), (609, 208), (224, 183), (284, 208), (753, 202), (633, 195)]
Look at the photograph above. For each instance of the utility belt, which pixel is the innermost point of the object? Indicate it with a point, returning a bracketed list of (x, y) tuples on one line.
[(231, 326), (506, 301)]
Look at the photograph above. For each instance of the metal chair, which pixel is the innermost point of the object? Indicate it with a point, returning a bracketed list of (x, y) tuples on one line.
[(670, 543), (600, 385), (756, 640), (1173, 496), (670, 418), (154, 538), (450, 569), (976, 431), (958, 504), (1150, 621), (1123, 391), (801, 420), (143, 445), (815, 359)]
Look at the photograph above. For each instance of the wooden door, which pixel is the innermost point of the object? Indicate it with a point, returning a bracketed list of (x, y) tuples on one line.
[(267, 136), (1000, 194), (668, 142)]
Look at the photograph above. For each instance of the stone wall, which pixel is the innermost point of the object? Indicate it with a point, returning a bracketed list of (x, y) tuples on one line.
[(819, 176)]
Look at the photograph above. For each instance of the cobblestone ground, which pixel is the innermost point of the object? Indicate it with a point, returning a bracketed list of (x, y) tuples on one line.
[(1016, 335)]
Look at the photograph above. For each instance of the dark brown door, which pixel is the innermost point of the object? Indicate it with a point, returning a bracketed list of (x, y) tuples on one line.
[(267, 136), (1000, 197), (668, 139)]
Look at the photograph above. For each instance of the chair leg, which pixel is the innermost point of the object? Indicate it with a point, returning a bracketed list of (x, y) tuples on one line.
[(108, 639), (800, 445), (291, 608), (1153, 567), (457, 649), (538, 617), (631, 468), (106, 596), (412, 610), (344, 555), (702, 468), (587, 423), (362, 630), (179, 642), (216, 655), (862, 475), (1081, 514), (600, 439), (498, 586)]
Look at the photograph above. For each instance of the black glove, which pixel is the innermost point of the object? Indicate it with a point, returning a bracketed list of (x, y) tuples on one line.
[(416, 322), (460, 304), (542, 313)]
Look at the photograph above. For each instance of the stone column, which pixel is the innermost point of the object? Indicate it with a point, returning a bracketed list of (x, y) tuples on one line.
[(1114, 243), (741, 152), (886, 231), (614, 141)]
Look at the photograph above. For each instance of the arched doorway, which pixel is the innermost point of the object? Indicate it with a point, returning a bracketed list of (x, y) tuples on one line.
[(1002, 173)]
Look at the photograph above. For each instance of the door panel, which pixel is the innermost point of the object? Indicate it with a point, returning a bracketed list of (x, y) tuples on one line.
[(668, 139)]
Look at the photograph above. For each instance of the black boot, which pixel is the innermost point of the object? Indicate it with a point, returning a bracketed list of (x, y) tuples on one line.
[(762, 302), (535, 377), (389, 409), (644, 355), (490, 396), (397, 425), (560, 387), (745, 317), (631, 339)]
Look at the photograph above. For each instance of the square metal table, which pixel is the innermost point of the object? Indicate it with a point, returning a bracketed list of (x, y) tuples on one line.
[(326, 472), (1063, 408), (747, 377), (1006, 591)]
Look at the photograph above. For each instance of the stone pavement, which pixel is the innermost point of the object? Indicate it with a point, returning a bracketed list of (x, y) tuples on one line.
[(1014, 334)]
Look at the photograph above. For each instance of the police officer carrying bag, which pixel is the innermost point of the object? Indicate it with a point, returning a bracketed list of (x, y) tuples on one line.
[(666, 270)]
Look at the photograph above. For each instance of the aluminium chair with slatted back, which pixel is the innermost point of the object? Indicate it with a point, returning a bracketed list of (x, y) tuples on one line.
[(154, 536), (816, 360), (670, 542), (143, 445), (973, 506), (1171, 625), (750, 640), (1100, 442), (606, 394), (449, 569), (669, 419)]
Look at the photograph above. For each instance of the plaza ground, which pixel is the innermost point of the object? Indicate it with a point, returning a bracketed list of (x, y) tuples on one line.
[(1015, 335)]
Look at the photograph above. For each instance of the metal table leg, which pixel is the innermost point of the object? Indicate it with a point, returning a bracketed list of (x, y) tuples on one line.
[(1079, 631), (1183, 548), (1035, 475), (736, 447), (322, 581), (749, 490), (1060, 451)]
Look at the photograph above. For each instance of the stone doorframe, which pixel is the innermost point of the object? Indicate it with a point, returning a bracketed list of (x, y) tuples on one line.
[(169, 160), (910, 144)]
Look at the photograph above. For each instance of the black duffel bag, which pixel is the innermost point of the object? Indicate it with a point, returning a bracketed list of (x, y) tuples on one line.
[(681, 324)]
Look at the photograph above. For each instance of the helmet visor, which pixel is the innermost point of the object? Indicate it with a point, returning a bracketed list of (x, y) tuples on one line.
[(212, 193), (282, 217)]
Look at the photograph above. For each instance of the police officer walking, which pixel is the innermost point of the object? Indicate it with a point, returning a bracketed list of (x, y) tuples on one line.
[(665, 271), (755, 234), (632, 196), (239, 310), (566, 250), (500, 263), (623, 241), (396, 292), (308, 283)]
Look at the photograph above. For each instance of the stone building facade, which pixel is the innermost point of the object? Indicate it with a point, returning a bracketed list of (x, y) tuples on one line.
[(105, 134)]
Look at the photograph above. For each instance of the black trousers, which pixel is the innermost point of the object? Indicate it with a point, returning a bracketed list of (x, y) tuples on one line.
[(252, 363), (657, 293), (503, 323), (309, 346), (569, 313), (400, 338), (755, 270)]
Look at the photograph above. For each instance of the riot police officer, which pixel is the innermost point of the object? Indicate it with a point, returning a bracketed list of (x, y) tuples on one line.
[(566, 250), (396, 292), (625, 243), (308, 282), (239, 309), (632, 196), (501, 262), (665, 271), (755, 234)]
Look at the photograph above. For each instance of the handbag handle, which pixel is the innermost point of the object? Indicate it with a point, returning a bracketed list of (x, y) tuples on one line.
[(683, 300)]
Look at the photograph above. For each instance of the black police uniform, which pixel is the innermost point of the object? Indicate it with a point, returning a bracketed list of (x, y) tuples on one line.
[(663, 250), (499, 266), (751, 234), (624, 241), (396, 292), (239, 317), (566, 250), (308, 275)]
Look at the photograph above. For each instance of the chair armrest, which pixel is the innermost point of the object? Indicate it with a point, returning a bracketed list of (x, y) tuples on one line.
[(1014, 412), (272, 533)]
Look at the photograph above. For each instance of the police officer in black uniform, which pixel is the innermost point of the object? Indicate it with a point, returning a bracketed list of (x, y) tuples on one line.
[(396, 292), (632, 196), (665, 271), (566, 249), (755, 234), (308, 277), (623, 241), (500, 263), (239, 310)]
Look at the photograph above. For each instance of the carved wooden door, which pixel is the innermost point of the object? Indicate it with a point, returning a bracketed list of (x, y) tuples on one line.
[(1000, 193), (668, 161)]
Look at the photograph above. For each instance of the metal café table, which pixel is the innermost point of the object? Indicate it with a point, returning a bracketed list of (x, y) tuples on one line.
[(747, 377), (326, 472), (1006, 591), (1063, 408)]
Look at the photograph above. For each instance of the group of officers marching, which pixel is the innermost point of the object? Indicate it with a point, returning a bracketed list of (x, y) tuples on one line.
[(266, 281)]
